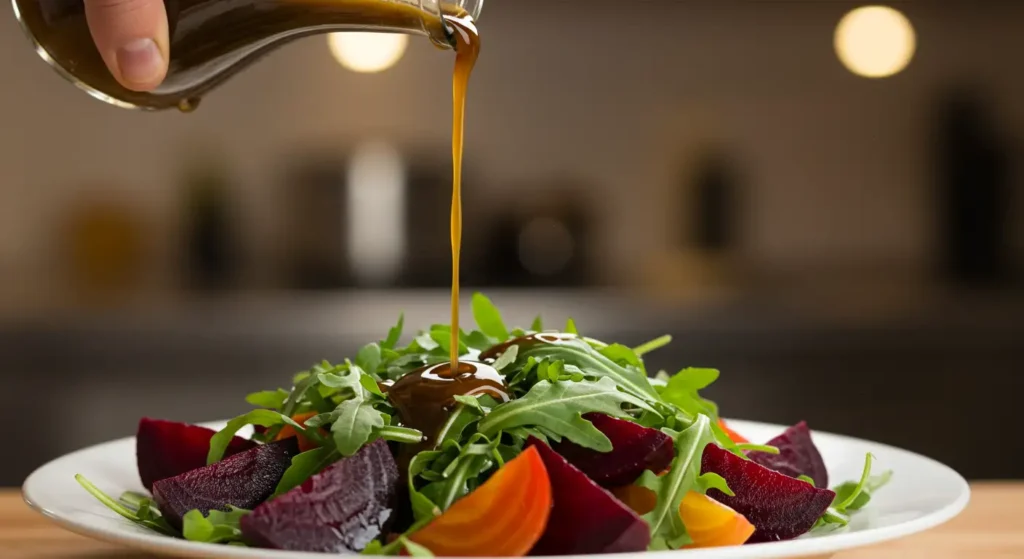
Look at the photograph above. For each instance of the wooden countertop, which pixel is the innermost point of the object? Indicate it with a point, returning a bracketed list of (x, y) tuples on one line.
[(988, 529)]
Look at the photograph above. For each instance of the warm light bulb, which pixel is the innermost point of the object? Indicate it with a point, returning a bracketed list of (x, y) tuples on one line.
[(875, 41), (367, 52)]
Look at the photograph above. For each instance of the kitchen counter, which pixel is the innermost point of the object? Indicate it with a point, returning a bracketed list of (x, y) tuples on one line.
[(987, 529)]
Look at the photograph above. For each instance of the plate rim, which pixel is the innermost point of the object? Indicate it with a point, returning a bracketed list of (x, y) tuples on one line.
[(827, 544)]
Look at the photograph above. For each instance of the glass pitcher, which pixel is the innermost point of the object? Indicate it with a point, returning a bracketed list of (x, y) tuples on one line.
[(210, 40)]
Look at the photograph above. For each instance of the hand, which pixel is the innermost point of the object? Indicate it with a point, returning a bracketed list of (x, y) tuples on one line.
[(131, 35)]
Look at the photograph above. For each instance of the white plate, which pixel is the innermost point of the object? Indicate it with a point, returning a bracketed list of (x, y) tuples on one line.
[(923, 494)]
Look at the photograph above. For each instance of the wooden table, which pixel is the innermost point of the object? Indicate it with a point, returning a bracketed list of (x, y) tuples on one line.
[(990, 528)]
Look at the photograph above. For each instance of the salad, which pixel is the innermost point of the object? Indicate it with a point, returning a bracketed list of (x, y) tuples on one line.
[(539, 442)]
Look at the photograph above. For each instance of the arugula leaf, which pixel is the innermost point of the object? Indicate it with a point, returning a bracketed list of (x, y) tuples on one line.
[(488, 318), (272, 399), (141, 505), (711, 480), (264, 418), (538, 324), (558, 407), (806, 479), (353, 423), (580, 354), (217, 527), (622, 355), (458, 420), (394, 334), (652, 345), (348, 384), (570, 327), (305, 466), (422, 507), (852, 496), (667, 529), (299, 391), (850, 491), (455, 485), (682, 391), (147, 519), (368, 358), (426, 342), (477, 340), (507, 358), (370, 384)]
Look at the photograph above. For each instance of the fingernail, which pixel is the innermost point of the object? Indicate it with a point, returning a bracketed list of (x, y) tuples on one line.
[(140, 62)]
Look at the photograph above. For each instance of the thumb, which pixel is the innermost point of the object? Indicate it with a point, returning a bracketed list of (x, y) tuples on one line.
[(131, 36)]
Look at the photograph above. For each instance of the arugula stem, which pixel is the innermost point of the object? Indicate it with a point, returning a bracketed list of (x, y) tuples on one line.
[(865, 475), (652, 345), (457, 481), (452, 417), (751, 447), (105, 499), (400, 434)]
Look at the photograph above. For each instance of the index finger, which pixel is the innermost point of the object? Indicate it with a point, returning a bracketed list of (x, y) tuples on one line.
[(131, 36)]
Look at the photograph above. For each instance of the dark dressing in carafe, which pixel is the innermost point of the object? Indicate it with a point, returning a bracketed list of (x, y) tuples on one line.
[(211, 40)]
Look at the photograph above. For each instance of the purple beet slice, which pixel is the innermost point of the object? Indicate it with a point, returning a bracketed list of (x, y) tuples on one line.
[(341, 509), (166, 449), (244, 480), (780, 507), (797, 455), (634, 449), (585, 518)]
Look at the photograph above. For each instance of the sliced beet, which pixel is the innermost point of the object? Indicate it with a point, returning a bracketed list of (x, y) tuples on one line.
[(585, 518), (634, 449), (244, 480), (780, 507), (166, 449), (797, 455), (341, 509)]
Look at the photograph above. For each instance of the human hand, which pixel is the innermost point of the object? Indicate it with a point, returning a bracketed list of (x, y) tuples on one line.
[(131, 36)]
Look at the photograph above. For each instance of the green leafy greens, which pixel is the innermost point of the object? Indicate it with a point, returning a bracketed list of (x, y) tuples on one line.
[(553, 380)]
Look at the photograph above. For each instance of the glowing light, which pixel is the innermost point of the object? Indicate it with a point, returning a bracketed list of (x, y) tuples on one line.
[(875, 41), (367, 52), (376, 218)]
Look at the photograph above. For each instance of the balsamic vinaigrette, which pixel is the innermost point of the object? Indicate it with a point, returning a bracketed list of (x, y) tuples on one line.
[(424, 397), (524, 342), (467, 49)]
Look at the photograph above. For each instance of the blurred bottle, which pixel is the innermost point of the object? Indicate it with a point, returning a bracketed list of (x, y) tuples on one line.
[(974, 191), (211, 256), (703, 261), (315, 209), (104, 244), (541, 241)]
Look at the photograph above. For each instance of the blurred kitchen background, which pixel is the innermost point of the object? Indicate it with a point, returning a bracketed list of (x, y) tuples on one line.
[(847, 249)]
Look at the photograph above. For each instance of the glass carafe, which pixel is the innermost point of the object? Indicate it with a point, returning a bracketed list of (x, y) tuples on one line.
[(210, 40)]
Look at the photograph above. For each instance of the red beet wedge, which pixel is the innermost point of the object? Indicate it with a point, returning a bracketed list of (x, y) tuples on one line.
[(339, 510), (244, 480), (780, 507), (167, 448), (797, 455), (585, 517), (634, 449)]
